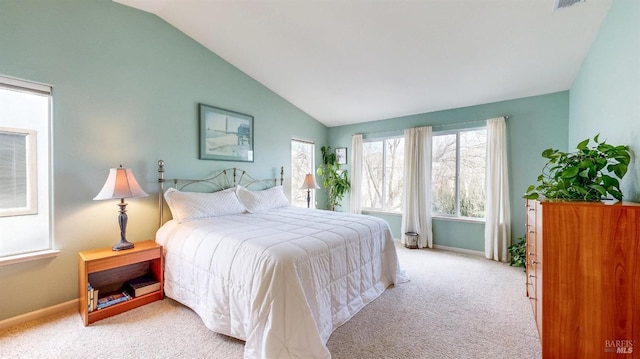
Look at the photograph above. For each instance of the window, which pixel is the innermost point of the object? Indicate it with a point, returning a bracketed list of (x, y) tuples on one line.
[(24, 170), (18, 180), (458, 173), (302, 162), (382, 167)]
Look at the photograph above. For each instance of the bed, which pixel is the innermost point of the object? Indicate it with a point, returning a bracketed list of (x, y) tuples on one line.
[(281, 278)]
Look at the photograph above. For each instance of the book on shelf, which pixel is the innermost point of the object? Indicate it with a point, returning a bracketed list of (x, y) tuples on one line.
[(90, 294), (92, 298), (112, 299), (94, 302), (141, 285)]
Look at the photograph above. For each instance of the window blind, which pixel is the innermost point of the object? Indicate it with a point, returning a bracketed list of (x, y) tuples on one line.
[(13, 170)]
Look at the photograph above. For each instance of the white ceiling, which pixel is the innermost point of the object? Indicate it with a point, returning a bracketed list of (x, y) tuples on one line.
[(351, 61)]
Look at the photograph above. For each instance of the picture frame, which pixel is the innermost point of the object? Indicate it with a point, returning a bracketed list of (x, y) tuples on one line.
[(341, 155), (225, 135)]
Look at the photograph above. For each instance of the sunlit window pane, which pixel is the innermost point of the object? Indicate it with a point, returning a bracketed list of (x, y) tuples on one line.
[(25, 167), (472, 173), (394, 164), (443, 170), (372, 176), (458, 171), (301, 164), (382, 183)]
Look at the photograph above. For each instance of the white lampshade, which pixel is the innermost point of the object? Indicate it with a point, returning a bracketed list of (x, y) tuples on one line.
[(120, 184), (309, 182)]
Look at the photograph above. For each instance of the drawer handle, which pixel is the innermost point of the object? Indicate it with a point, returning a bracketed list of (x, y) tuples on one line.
[(532, 231), (532, 209), (532, 298), (531, 276), (535, 262)]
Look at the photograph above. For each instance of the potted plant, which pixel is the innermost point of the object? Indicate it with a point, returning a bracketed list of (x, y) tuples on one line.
[(518, 251), (589, 174), (334, 180)]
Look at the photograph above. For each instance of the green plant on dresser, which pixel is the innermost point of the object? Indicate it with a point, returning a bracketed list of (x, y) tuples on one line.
[(589, 174)]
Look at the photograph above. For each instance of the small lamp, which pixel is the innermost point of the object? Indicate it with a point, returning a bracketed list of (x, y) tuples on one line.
[(309, 184), (121, 184)]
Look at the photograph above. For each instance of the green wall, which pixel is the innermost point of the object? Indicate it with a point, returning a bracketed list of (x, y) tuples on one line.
[(534, 123), (126, 86), (605, 97)]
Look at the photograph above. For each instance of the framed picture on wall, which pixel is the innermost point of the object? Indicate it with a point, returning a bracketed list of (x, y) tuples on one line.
[(341, 155), (225, 135)]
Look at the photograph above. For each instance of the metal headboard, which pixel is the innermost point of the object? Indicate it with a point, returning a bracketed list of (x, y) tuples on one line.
[(222, 180)]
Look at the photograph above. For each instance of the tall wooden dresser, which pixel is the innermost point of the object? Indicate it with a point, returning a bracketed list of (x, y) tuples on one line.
[(583, 278)]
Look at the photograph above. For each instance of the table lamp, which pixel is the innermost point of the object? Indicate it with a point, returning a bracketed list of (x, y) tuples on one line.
[(309, 184), (121, 184)]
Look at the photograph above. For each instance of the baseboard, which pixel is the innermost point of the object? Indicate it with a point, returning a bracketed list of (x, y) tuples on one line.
[(459, 250), (40, 313)]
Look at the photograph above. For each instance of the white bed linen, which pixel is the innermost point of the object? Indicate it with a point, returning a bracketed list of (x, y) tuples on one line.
[(284, 280)]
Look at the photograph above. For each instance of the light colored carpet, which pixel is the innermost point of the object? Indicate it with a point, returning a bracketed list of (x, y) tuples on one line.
[(455, 306)]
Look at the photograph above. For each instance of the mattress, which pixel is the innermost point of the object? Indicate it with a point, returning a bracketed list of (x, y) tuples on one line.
[(281, 280)]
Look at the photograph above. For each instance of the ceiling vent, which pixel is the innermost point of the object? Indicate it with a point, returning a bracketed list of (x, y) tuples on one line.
[(561, 4)]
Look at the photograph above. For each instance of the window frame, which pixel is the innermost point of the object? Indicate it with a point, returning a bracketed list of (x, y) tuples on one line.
[(384, 208), (311, 143), (43, 216), (457, 216)]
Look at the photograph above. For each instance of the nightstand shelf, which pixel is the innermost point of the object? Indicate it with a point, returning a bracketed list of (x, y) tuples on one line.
[(107, 270)]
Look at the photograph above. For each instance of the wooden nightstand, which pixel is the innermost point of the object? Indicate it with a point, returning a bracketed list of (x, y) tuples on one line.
[(107, 270)]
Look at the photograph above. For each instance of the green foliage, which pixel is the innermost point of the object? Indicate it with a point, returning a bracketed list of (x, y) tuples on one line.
[(518, 253), (334, 180), (587, 174)]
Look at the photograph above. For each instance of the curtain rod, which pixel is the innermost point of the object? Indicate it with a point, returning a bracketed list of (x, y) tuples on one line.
[(506, 117)]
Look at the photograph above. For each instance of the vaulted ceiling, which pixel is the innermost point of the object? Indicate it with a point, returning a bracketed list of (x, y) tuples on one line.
[(352, 61)]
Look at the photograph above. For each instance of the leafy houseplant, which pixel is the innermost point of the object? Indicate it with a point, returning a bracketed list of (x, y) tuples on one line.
[(587, 174), (518, 253), (334, 180)]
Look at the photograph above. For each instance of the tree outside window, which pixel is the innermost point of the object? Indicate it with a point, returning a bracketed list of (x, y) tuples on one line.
[(458, 173), (382, 182), (302, 162)]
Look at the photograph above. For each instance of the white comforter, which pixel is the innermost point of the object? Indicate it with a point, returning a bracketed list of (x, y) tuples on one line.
[(282, 281)]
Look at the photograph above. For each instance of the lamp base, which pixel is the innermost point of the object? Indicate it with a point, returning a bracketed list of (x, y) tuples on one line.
[(122, 245)]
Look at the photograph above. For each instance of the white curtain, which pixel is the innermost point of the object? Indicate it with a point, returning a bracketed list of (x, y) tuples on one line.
[(497, 230), (356, 174), (416, 204)]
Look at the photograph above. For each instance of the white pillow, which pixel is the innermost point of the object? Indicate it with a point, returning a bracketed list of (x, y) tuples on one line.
[(260, 201), (188, 206)]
